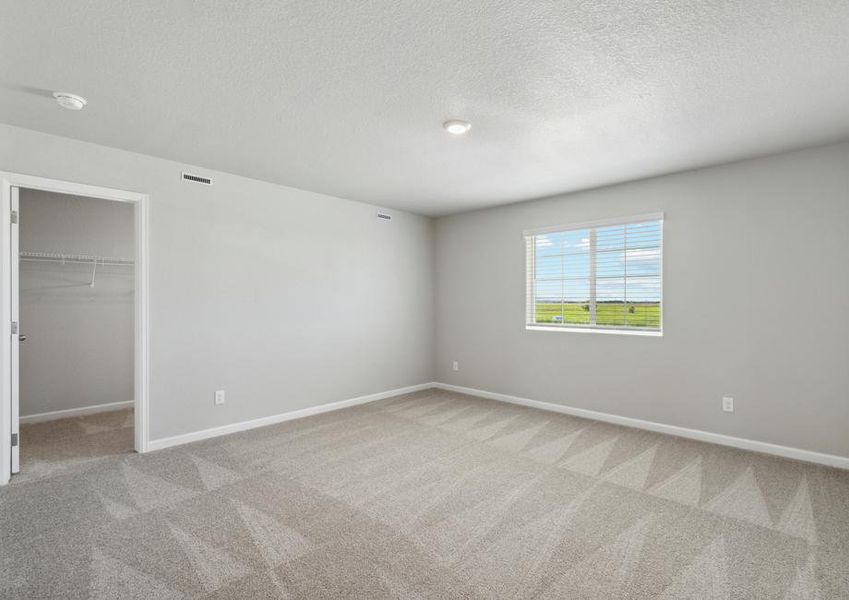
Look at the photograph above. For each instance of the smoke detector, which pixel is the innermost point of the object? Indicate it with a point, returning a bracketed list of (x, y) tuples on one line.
[(70, 101)]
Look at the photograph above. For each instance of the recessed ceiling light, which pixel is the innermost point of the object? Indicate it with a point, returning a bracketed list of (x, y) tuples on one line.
[(457, 127), (70, 101)]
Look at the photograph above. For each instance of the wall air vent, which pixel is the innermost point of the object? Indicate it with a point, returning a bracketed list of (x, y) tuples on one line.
[(384, 216), (196, 178)]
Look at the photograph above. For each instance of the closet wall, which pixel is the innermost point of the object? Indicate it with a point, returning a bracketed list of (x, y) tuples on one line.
[(79, 347)]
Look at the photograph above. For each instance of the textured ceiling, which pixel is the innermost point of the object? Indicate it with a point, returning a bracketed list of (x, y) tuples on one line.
[(347, 98)]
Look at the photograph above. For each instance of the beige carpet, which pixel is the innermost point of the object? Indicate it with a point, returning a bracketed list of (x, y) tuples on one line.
[(56, 447), (432, 495)]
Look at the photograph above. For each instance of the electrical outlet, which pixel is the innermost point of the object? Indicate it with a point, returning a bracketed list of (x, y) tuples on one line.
[(219, 397), (456, 366), (728, 404)]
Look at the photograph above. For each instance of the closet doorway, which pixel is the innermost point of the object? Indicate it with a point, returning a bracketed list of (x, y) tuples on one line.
[(74, 385)]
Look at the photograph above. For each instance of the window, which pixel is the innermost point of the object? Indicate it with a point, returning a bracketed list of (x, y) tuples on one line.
[(603, 276)]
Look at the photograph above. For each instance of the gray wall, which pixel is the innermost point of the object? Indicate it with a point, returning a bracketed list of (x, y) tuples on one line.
[(284, 298), (246, 277), (756, 287), (79, 348)]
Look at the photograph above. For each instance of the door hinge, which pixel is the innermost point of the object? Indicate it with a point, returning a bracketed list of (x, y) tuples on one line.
[(14, 217), (14, 328), (14, 439)]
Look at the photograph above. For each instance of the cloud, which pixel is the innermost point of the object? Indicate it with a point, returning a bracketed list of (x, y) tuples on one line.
[(543, 241), (643, 254)]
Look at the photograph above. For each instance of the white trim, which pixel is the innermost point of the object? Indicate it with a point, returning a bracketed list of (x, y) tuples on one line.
[(617, 331), (141, 370), (203, 434), (14, 341), (142, 311), (596, 223), (6, 328), (831, 460), (76, 412), (59, 186)]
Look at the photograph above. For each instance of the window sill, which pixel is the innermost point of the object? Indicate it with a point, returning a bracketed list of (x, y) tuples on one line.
[(594, 330)]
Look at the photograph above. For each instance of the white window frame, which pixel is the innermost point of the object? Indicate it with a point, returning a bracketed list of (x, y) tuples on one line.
[(530, 258)]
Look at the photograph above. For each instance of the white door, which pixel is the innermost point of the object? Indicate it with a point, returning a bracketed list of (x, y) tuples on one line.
[(16, 337)]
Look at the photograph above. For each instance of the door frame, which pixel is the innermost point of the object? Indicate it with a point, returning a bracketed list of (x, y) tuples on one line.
[(142, 312)]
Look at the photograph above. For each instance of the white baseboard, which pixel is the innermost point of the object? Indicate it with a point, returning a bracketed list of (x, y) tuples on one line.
[(75, 412), (830, 460), (203, 434)]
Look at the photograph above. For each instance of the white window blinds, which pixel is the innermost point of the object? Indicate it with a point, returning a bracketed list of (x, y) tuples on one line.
[(603, 275)]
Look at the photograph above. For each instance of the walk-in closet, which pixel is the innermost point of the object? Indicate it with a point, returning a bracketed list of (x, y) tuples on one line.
[(76, 322)]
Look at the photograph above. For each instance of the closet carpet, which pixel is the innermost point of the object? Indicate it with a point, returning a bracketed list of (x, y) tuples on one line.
[(63, 445), (430, 495)]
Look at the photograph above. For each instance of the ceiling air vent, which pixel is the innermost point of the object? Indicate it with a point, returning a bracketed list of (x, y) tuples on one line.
[(196, 178)]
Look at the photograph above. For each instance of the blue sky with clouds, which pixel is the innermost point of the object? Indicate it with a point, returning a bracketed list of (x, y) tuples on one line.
[(628, 264)]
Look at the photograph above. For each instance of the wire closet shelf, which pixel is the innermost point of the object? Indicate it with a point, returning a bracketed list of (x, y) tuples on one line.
[(86, 259)]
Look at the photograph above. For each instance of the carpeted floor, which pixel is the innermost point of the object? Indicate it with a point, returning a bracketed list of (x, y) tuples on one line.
[(431, 495), (56, 447)]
